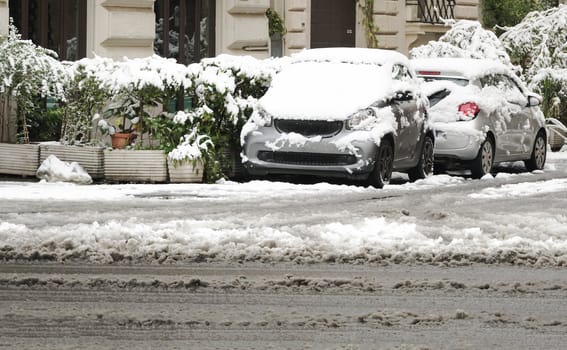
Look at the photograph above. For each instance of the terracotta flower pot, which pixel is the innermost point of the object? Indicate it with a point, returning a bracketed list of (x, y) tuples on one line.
[(121, 139)]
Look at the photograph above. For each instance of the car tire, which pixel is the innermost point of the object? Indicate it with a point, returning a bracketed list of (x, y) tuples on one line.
[(383, 166), (539, 154), (425, 165), (484, 161)]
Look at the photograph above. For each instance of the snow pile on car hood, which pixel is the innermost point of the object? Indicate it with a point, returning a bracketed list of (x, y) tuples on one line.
[(327, 90)]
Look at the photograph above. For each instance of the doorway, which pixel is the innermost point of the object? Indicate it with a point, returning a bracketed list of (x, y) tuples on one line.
[(333, 23)]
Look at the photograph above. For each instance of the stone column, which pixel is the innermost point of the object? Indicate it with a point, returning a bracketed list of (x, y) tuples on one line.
[(298, 24), (242, 27), (4, 17), (119, 28)]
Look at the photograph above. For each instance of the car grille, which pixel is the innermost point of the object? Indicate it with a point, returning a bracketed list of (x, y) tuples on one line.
[(303, 158), (309, 128)]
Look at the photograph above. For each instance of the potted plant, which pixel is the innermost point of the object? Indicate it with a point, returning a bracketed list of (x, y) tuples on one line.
[(187, 150)]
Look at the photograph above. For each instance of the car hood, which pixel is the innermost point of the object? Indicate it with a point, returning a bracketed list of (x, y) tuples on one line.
[(326, 90)]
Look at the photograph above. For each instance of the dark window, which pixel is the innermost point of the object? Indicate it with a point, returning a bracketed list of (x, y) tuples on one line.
[(185, 29), (431, 11), (59, 25)]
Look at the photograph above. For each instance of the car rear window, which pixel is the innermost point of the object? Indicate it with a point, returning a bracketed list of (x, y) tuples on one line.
[(458, 81)]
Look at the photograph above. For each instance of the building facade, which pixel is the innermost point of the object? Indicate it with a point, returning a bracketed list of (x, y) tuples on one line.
[(189, 30)]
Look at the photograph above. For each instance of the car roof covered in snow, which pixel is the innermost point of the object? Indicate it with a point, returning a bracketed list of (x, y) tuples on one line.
[(468, 68), (350, 55)]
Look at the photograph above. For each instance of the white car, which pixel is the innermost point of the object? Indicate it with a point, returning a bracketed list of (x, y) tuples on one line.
[(482, 114), (341, 112)]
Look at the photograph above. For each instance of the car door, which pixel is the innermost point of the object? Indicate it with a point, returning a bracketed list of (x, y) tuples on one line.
[(405, 109), (521, 127), (506, 119)]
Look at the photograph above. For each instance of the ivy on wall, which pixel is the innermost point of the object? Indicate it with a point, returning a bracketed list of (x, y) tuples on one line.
[(370, 27), (275, 23)]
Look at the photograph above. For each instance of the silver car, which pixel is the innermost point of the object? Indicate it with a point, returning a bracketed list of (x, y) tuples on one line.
[(341, 112), (482, 114)]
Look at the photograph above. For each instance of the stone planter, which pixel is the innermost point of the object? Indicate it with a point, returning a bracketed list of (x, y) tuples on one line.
[(16, 159), (185, 172), (135, 166), (90, 158)]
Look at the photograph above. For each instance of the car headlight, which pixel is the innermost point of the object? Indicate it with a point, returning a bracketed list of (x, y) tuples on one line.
[(264, 119), (363, 119)]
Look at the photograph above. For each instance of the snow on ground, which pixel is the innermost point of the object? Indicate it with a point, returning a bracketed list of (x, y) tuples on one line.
[(487, 220)]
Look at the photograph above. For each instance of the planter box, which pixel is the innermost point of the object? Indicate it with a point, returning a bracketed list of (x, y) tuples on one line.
[(135, 166), (185, 172), (16, 159), (90, 158)]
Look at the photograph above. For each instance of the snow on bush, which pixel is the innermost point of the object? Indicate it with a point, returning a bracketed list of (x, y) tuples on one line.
[(539, 45), (191, 147), (465, 39), (26, 72)]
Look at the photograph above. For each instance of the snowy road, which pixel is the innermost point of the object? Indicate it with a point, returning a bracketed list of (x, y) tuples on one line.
[(432, 264), (259, 306), (516, 218)]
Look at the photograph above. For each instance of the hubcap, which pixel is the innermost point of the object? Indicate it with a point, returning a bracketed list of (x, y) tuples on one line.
[(486, 157)]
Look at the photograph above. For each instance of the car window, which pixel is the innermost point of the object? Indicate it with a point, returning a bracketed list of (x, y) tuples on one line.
[(458, 81), (401, 72), (504, 83)]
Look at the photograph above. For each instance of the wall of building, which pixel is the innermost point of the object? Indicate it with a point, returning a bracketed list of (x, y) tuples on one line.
[(118, 28), (4, 17), (242, 27)]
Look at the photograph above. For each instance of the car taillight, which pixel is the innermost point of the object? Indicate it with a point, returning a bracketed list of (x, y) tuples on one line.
[(468, 111), (428, 72)]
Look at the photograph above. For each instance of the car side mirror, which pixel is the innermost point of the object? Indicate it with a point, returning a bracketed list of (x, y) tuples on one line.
[(533, 101), (403, 96)]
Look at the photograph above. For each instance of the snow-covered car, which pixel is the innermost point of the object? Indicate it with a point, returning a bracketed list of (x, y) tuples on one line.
[(341, 112), (482, 114)]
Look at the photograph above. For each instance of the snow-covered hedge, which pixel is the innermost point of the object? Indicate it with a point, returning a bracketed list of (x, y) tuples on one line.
[(26, 71)]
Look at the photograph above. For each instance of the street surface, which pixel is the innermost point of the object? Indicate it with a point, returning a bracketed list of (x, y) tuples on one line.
[(450, 263)]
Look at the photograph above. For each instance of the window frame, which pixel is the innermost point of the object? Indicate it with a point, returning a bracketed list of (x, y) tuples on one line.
[(162, 10), (62, 27)]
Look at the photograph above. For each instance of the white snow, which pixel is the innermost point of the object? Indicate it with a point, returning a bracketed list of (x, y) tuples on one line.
[(308, 232), (323, 92), (54, 170), (522, 189)]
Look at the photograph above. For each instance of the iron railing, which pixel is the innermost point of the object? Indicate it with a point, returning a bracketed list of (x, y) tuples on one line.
[(430, 11)]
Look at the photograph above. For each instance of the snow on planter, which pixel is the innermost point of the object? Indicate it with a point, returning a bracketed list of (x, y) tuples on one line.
[(54, 170)]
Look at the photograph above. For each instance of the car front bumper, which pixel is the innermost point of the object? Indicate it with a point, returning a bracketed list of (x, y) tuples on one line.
[(265, 153)]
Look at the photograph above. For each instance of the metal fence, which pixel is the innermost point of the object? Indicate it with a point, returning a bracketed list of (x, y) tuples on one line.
[(430, 11)]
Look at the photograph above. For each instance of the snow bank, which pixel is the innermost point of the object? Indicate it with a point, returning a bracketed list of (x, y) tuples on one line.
[(269, 234)]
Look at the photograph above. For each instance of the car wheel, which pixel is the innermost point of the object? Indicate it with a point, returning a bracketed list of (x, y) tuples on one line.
[(384, 165), (539, 153), (483, 162), (425, 166)]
